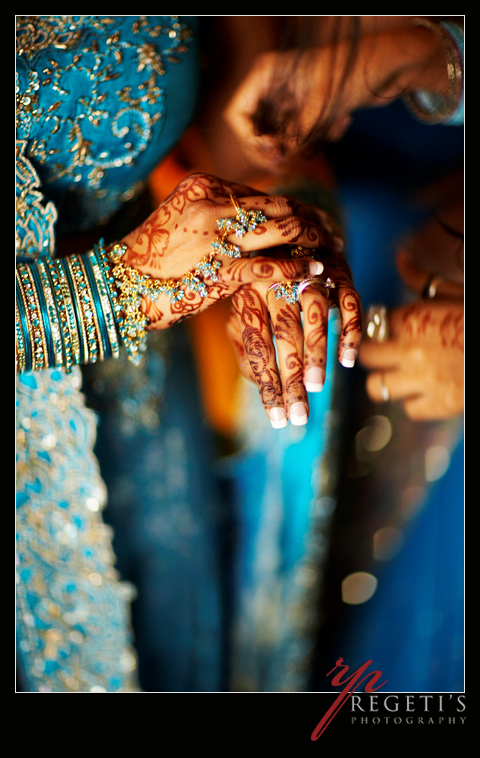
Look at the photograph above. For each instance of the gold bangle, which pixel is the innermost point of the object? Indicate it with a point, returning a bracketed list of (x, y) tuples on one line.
[(71, 337), (85, 315), (36, 333), (51, 314), (446, 105), (96, 345), (20, 354), (105, 303)]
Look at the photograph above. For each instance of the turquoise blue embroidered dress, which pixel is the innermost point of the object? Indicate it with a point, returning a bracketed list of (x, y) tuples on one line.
[(100, 100)]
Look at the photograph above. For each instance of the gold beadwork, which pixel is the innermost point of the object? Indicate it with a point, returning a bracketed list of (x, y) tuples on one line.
[(52, 313), (69, 322), (33, 316), (128, 285), (20, 343)]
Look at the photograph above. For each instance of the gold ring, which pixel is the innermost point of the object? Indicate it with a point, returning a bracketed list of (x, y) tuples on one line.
[(385, 394), (244, 221), (300, 252), (235, 204), (430, 289), (305, 252)]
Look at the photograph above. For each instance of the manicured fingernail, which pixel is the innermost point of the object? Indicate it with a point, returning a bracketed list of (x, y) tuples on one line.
[(298, 414), (348, 358), (278, 417), (314, 379), (315, 267)]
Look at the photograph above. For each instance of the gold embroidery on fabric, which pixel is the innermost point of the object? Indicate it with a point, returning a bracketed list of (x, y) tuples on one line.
[(66, 574), (35, 221), (67, 581), (135, 120)]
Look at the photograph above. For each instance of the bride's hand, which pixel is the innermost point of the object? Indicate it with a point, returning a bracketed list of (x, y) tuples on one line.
[(180, 233), (295, 364)]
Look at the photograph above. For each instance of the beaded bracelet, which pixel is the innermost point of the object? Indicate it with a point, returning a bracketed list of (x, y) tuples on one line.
[(79, 309), (127, 286), (28, 306)]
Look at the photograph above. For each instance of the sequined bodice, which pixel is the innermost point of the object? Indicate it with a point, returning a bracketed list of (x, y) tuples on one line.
[(100, 100)]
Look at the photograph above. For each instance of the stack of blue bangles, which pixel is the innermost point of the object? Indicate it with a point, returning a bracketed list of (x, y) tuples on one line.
[(82, 308), (66, 312)]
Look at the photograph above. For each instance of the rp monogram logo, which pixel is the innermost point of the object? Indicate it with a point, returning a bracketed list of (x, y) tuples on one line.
[(351, 683)]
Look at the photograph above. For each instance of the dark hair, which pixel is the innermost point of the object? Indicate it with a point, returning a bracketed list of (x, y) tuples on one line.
[(276, 110)]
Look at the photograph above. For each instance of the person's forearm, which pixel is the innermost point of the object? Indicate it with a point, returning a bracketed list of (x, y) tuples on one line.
[(425, 64)]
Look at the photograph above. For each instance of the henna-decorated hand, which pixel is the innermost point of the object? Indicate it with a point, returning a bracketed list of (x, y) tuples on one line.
[(258, 316), (179, 233), (421, 364)]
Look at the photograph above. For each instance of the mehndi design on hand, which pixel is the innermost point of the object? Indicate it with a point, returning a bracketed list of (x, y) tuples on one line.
[(301, 350)]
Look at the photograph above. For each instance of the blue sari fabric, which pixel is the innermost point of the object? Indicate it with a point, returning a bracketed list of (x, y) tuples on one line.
[(165, 504), (224, 556), (100, 100), (225, 559), (283, 493)]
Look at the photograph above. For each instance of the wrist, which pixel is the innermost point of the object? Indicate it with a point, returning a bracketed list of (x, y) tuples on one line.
[(436, 94), (65, 315), (425, 61)]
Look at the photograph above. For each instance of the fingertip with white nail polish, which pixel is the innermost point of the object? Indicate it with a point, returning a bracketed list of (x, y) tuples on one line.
[(312, 387), (314, 379), (349, 358), (298, 414), (315, 267), (278, 417)]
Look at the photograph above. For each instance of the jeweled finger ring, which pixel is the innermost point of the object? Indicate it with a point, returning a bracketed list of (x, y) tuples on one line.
[(384, 393), (288, 290), (305, 252), (430, 289), (208, 267), (328, 284), (300, 252), (248, 219), (377, 323), (244, 221)]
